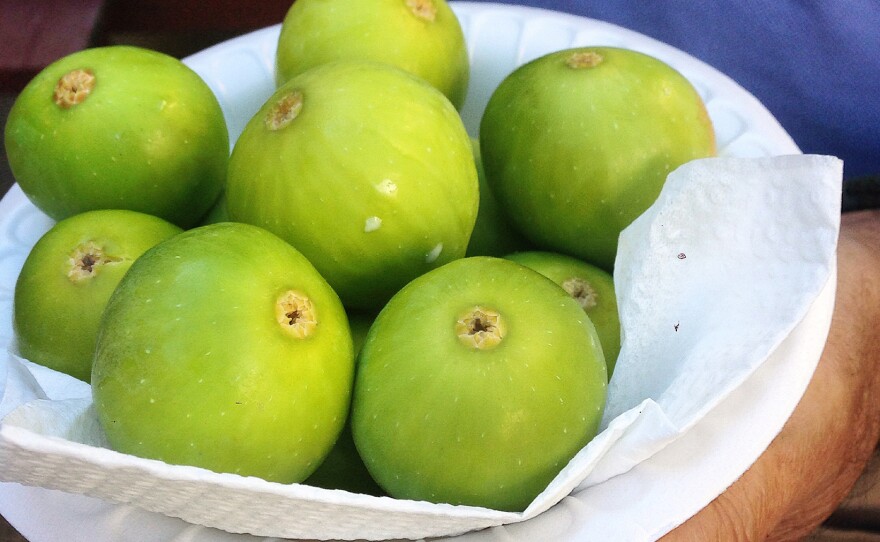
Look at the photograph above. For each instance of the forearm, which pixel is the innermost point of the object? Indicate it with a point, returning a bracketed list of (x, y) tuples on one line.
[(817, 457)]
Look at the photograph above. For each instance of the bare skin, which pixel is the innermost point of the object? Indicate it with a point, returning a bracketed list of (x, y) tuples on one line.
[(813, 463)]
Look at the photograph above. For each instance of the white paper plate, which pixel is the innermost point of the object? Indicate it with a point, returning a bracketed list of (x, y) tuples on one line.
[(636, 505)]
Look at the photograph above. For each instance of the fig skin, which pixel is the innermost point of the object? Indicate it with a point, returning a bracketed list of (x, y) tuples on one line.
[(67, 280), (494, 234), (217, 213), (372, 178), (578, 143), (150, 137), (437, 419), (422, 37), (591, 285), (343, 467), (195, 366)]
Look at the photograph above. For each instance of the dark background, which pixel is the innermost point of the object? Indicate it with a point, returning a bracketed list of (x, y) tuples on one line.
[(34, 33)]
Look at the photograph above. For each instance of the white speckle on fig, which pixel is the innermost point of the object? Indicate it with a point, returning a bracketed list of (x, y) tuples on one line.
[(432, 256), (386, 187), (372, 223)]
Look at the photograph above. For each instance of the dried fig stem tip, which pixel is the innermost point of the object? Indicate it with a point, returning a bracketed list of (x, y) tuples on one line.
[(73, 88), (86, 260), (480, 328), (284, 111), (581, 291), (423, 9), (584, 59), (295, 312)]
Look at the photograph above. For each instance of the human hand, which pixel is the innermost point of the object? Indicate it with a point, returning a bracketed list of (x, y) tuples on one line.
[(812, 464)]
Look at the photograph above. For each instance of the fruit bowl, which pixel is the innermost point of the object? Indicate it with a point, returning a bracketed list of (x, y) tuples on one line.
[(656, 436)]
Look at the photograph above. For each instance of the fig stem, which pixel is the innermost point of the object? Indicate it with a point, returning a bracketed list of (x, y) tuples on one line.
[(584, 59), (86, 260), (296, 314), (284, 111), (73, 88), (581, 291), (480, 328), (423, 9)]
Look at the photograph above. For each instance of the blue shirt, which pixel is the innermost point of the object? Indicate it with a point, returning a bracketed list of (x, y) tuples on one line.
[(814, 64)]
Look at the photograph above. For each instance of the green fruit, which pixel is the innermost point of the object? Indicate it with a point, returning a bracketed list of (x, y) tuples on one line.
[(119, 128), (363, 168), (225, 349), (360, 323), (493, 233), (592, 287), (67, 280), (343, 467), (218, 212), (478, 382), (422, 37), (578, 143)]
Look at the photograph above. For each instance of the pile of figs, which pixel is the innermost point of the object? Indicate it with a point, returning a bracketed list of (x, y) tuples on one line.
[(360, 295)]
